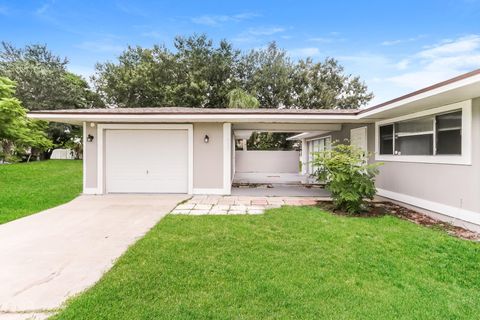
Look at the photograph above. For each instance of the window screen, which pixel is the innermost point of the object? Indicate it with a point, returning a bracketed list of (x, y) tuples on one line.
[(386, 139), (449, 133)]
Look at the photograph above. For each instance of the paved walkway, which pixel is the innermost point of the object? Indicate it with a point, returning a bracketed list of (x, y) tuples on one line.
[(221, 205), (50, 256)]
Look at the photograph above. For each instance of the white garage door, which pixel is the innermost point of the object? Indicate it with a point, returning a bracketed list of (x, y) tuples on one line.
[(146, 161)]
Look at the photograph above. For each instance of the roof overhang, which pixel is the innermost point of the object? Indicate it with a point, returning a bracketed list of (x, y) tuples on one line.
[(463, 87), (188, 118)]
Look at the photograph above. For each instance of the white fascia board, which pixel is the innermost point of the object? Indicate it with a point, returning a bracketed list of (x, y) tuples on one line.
[(427, 94), (305, 118)]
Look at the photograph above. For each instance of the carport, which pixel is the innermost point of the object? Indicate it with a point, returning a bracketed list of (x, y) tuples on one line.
[(275, 172)]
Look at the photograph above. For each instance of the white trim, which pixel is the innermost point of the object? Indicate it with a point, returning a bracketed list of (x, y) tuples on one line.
[(84, 157), (90, 191), (267, 118), (227, 158), (449, 87), (100, 149), (464, 159), (218, 191), (320, 138), (459, 213)]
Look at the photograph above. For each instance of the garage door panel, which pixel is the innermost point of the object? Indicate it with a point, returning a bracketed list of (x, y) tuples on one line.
[(146, 161)]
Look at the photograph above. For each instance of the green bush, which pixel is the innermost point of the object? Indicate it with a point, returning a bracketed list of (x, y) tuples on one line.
[(347, 175)]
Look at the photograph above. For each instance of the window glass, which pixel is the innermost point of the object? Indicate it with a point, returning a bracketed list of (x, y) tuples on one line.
[(386, 139), (449, 133), (414, 145), (414, 126)]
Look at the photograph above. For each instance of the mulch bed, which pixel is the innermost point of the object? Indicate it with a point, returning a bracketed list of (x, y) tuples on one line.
[(378, 209)]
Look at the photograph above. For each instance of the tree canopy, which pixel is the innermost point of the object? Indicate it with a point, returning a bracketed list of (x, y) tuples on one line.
[(198, 73), (43, 82), (16, 130)]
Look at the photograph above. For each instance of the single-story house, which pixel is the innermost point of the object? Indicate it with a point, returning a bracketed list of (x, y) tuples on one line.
[(429, 141)]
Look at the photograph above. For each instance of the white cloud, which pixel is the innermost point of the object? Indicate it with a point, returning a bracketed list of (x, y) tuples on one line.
[(321, 39), (82, 70), (254, 35), (153, 34), (216, 20), (304, 52), (100, 46), (400, 41), (265, 31), (403, 64), (440, 62), (449, 47)]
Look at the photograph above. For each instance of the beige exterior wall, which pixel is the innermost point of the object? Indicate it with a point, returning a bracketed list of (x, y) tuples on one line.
[(343, 136), (267, 161), (451, 185), (208, 157), (90, 158), (448, 184)]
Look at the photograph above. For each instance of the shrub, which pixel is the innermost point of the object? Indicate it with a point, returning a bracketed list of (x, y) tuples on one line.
[(347, 175)]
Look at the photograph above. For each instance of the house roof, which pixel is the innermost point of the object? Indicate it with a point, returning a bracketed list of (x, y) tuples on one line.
[(187, 111), (463, 87)]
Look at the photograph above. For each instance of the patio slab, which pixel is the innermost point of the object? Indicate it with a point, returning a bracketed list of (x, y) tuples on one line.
[(234, 205)]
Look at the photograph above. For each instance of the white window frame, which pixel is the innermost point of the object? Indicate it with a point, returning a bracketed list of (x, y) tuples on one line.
[(464, 159), (310, 142)]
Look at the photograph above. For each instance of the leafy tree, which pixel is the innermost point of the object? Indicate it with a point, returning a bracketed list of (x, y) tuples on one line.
[(16, 130), (238, 98), (141, 78), (208, 71), (324, 85), (347, 175), (270, 141), (43, 81), (198, 74), (267, 73)]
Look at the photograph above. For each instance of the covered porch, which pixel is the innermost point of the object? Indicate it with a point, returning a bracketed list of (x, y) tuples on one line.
[(277, 173)]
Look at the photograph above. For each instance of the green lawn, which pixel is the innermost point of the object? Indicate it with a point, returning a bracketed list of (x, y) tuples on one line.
[(291, 263), (27, 188)]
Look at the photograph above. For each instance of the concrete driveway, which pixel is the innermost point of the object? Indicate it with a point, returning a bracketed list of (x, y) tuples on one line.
[(50, 256)]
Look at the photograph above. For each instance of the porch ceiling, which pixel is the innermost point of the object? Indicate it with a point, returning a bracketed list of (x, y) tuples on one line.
[(286, 127)]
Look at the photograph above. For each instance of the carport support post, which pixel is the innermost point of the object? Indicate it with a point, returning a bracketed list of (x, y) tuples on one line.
[(304, 157)]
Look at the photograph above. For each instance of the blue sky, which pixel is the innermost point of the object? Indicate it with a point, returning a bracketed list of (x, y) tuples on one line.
[(394, 46)]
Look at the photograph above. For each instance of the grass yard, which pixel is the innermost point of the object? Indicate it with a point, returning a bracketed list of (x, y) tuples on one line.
[(293, 262), (27, 188)]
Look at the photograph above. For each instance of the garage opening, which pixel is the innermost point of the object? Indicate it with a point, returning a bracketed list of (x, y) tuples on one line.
[(146, 161)]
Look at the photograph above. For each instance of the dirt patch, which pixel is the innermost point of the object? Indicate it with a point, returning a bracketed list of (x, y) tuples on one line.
[(378, 209)]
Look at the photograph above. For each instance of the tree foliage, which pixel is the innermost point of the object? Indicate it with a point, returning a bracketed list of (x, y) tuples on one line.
[(347, 175), (269, 141), (238, 98), (43, 82), (199, 73), (17, 132)]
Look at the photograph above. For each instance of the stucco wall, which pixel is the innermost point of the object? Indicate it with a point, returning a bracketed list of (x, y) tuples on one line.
[(90, 158), (343, 136), (267, 161), (208, 157), (452, 185)]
